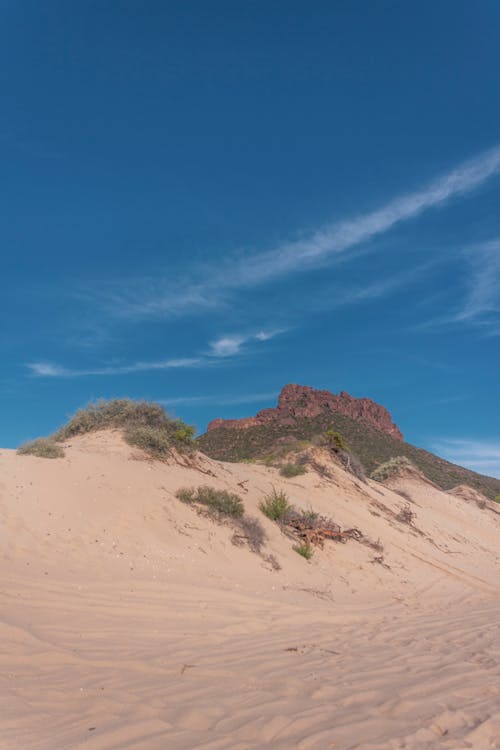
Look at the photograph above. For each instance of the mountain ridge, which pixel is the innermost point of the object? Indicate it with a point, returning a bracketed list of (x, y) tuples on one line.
[(303, 401), (256, 438)]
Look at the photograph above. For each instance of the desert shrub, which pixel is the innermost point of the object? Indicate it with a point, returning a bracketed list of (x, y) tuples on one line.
[(406, 515), (335, 440), (292, 470), (219, 502), (183, 434), (275, 505), (145, 425), (185, 495), (392, 468), (311, 517), (252, 533), (42, 447), (304, 549), (152, 440), (497, 499)]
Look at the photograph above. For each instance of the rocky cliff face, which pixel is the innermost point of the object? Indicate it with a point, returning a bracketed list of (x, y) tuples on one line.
[(301, 401)]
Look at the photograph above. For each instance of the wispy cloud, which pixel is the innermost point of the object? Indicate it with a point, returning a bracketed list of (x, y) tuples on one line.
[(47, 369), (381, 288), (229, 346), (479, 455), (480, 305), (209, 287), (220, 349), (219, 400), (482, 302)]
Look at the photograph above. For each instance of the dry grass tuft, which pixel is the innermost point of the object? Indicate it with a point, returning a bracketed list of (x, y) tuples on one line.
[(393, 468), (42, 447)]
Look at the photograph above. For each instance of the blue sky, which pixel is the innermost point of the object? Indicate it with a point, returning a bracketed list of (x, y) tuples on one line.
[(205, 201)]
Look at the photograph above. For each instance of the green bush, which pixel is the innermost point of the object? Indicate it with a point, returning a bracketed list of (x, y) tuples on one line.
[(42, 447), (185, 495), (497, 499), (275, 505), (335, 440), (305, 550), (219, 502), (292, 470), (392, 468)]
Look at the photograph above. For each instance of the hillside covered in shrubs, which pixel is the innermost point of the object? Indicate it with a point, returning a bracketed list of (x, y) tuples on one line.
[(371, 446)]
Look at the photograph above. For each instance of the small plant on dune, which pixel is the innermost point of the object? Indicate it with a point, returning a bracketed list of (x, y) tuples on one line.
[(497, 499), (218, 502), (184, 433), (392, 468), (42, 447), (248, 531), (335, 440), (292, 470), (275, 505), (304, 549), (185, 495), (310, 516), (338, 445), (406, 515)]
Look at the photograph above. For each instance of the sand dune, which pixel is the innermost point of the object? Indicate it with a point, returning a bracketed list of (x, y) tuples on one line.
[(129, 621)]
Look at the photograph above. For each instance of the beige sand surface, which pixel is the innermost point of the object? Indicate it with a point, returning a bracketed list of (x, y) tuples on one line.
[(130, 621)]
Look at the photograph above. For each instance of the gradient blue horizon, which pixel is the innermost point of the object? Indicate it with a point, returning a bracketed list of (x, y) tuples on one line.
[(203, 202)]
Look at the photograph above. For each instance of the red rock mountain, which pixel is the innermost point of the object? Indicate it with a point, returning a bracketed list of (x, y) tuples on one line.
[(299, 401)]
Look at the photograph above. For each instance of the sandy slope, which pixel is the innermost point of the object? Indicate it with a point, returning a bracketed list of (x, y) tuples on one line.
[(130, 621)]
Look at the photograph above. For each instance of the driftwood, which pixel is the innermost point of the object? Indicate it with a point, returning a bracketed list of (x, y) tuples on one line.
[(313, 529)]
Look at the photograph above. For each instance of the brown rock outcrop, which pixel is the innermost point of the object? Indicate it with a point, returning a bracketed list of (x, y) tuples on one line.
[(302, 401)]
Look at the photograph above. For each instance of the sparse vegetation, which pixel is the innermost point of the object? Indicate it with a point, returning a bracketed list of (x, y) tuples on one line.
[(275, 505), (309, 516), (42, 447), (406, 515), (497, 499), (227, 506), (392, 468), (145, 425), (186, 495), (218, 502), (152, 440), (292, 470), (304, 549), (372, 447)]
